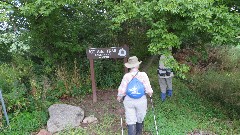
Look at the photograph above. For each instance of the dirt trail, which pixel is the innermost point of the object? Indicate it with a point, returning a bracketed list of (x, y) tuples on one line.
[(106, 105)]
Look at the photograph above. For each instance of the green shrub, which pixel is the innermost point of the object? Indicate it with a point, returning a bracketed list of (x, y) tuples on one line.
[(14, 93), (70, 82), (108, 73), (25, 123), (221, 87), (232, 61), (8, 77), (16, 100), (227, 59)]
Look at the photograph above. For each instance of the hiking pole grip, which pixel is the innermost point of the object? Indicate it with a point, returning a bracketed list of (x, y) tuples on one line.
[(154, 117)]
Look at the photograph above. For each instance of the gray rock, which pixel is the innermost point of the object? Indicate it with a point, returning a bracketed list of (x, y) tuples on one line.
[(63, 116), (44, 132), (90, 119)]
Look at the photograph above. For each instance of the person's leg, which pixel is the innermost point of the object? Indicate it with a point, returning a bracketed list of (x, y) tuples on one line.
[(163, 87), (131, 118), (141, 108), (169, 86)]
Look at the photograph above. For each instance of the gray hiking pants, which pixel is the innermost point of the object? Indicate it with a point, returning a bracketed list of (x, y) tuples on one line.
[(135, 109), (165, 84)]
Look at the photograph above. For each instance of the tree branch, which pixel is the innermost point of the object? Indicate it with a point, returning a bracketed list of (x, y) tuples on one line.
[(10, 3)]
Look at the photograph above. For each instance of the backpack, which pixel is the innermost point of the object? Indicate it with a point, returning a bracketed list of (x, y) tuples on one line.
[(135, 88)]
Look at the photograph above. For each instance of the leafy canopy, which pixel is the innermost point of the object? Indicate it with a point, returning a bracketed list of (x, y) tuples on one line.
[(177, 23)]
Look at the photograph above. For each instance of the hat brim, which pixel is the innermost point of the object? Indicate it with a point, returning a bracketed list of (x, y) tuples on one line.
[(132, 65)]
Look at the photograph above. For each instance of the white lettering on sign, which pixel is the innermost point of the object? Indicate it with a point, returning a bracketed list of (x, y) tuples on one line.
[(104, 57), (98, 54), (111, 50), (91, 51), (100, 51)]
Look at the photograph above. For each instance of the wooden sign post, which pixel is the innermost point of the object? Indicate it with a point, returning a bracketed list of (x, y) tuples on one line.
[(104, 53)]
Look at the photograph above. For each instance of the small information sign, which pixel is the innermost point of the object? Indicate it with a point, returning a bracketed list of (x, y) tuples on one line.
[(103, 53)]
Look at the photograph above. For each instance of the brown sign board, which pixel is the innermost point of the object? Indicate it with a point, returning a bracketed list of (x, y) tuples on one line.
[(103, 53), (112, 52)]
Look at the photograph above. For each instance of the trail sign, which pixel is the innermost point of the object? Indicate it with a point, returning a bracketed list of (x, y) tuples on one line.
[(103, 53)]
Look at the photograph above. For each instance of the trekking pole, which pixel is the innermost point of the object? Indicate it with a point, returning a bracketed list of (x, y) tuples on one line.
[(121, 104), (4, 107), (122, 125), (154, 116)]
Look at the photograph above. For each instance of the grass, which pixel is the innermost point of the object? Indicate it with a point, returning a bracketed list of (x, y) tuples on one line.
[(25, 123), (186, 112), (223, 89)]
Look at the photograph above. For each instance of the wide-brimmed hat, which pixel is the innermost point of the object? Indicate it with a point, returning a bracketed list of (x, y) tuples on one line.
[(132, 62)]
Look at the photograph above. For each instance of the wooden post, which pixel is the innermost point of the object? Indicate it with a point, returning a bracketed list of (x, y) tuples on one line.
[(1, 116), (125, 68), (125, 61), (93, 80)]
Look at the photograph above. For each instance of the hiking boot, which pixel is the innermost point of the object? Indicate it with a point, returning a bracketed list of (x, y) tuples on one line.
[(139, 128), (163, 96), (169, 93), (132, 129)]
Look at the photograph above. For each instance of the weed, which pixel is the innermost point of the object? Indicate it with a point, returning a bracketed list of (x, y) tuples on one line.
[(25, 123)]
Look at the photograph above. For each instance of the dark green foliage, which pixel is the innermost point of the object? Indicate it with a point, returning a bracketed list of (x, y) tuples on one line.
[(178, 24), (5, 56), (108, 73), (25, 123), (60, 33), (8, 76)]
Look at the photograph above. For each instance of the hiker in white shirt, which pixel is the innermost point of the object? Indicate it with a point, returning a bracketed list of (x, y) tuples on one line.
[(135, 105)]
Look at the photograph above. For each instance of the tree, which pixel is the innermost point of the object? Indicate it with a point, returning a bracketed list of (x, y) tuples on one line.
[(59, 30), (175, 23)]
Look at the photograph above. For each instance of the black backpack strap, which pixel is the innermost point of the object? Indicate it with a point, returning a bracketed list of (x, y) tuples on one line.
[(134, 76)]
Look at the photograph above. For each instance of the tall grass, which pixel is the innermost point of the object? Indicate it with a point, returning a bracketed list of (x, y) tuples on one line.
[(221, 88), (219, 82)]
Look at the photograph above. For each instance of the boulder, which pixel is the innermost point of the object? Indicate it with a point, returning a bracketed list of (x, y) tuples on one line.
[(90, 119), (44, 132), (63, 116)]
